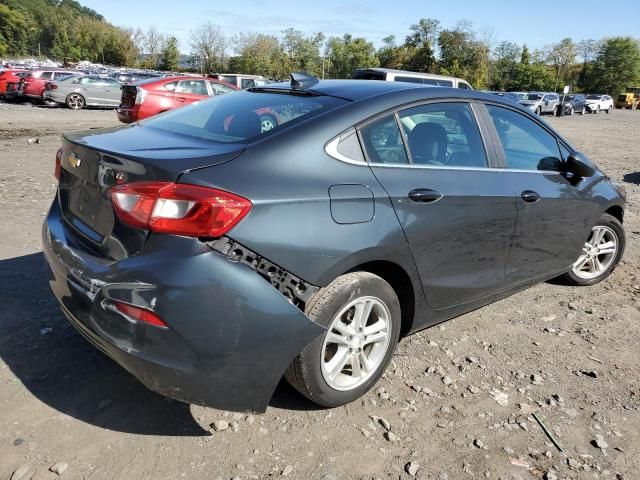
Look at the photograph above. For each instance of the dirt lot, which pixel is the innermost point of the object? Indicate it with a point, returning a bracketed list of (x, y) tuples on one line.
[(457, 402)]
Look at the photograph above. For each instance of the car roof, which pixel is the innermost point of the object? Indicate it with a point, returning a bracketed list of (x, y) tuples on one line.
[(408, 72), (355, 90)]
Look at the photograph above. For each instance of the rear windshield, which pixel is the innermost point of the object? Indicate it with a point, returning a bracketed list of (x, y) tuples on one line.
[(594, 97), (242, 116)]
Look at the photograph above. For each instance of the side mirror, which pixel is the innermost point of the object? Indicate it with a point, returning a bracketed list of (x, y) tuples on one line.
[(580, 165)]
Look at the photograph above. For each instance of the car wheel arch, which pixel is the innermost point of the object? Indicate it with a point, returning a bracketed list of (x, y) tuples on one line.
[(400, 280), (617, 212)]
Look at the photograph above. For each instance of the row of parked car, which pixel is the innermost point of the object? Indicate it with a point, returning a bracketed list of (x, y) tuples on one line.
[(558, 103)]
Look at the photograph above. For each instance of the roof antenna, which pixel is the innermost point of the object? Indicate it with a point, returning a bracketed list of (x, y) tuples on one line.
[(302, 80)]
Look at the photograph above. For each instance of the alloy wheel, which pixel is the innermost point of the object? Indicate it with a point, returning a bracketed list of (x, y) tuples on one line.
[(75, 101), (356, 343), (598, 253)]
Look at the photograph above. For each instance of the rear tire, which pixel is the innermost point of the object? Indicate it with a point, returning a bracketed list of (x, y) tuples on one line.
[(594, 264), (349, 358), (75, 101), (539, 111)]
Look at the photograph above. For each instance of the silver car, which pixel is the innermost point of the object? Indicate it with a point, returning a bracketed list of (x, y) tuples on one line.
[(541, 102), (84, 91)]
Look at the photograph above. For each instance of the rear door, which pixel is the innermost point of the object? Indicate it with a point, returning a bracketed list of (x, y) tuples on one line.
[(553, 215), (189, 91), (458, 213), (111, 92)]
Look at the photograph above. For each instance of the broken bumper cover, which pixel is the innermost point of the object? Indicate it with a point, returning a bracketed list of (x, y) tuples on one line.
[(231, 334)]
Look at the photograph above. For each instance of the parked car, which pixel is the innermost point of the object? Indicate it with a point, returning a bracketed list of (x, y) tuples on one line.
[(541, 102), (133, 77), (513, 96), (391, 75), (574, 103), (32, 85), (9, 76), (241, 80), (81, 91), (147, 98), (176, 249), (598, 102)]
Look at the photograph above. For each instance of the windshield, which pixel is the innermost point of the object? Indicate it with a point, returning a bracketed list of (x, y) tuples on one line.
[(594, 97), (533, 96), (243, 116)]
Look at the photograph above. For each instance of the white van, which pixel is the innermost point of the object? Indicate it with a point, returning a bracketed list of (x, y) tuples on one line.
[(391, 75), (241, 80)]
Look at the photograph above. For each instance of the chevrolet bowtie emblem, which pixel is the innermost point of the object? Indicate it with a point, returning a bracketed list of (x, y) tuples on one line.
[(74, 160)]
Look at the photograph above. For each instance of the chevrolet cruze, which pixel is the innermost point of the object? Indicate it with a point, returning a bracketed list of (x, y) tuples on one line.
[(210, 257)]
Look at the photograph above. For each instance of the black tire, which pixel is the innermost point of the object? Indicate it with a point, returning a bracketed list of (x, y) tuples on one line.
[(614, 224), (539, 111), (305, 372), (75, 101)]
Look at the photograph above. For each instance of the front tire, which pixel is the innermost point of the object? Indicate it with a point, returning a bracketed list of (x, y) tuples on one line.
[(600, 254), (362, 315), (75, 101)]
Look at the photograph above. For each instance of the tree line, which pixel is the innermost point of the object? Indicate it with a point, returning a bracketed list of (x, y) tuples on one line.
[(65, 29)]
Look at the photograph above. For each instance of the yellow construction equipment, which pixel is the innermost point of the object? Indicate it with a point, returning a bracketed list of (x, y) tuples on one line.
[(630, 99)]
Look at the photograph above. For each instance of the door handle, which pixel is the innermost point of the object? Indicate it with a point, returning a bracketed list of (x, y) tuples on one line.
[(424, 195), (530, 196)]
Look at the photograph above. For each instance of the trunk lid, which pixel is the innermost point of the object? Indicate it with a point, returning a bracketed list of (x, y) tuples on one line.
[(92, 162)]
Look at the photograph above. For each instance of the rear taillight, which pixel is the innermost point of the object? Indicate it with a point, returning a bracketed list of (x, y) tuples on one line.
[(141, 94), (178, 209), (58, 164), (140, 314), (50, 86)]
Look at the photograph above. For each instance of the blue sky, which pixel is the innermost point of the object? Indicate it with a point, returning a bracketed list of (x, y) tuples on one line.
[(536, 24)]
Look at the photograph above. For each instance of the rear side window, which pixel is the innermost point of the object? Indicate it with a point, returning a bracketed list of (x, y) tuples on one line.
[(196, 87), (243, 116), (526, 145), (383, 141), (464, 86), (444, 134)]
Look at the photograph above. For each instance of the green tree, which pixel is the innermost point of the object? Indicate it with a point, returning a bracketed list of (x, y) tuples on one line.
[(561, 56), (346, 54), (391, 55), (170, 55), (503, 68), (617, 65), (303, 51), (462, 55), (420, 45), (525, 57), (259, 54)]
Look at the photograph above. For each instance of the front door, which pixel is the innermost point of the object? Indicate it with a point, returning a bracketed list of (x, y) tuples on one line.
[(554, 216), (458, 214)]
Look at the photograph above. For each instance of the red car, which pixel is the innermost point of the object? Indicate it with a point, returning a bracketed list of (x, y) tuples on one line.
[(32, 85), (150, 97), (9, 76)]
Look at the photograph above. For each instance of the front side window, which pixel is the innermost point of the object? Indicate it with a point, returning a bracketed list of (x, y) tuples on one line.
[(219, 88), (238, 118), (464, 86), (443, 134), (383, 141), (526, 145), (46, 75)]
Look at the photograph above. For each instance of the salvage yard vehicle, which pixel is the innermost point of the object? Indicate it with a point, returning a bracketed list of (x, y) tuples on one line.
[(209, 257), (574, 103), (10, 76), (33, 84), (597, 103), (541, 102), (82, 91), (392, 75), (150, 97)]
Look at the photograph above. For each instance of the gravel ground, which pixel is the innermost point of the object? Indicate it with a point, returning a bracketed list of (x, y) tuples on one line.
[(457, 402)]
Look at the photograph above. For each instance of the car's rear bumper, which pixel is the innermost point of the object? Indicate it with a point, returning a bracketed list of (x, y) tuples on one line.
[(231, 334), (127, 115)]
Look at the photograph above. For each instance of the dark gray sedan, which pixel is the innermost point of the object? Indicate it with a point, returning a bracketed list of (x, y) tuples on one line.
[(210, 258), (84, 91)]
